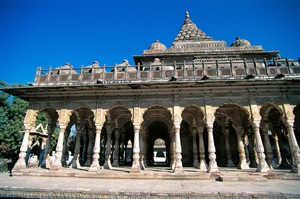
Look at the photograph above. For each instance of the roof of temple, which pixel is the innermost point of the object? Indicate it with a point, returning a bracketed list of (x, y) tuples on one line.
[(190, 32)]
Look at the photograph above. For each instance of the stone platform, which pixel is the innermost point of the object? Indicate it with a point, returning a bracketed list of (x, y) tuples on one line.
[(163, 173), (154, 182)]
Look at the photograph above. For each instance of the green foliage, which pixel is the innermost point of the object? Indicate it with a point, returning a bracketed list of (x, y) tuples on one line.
[(12, 113), (54, 139), (41, 118)]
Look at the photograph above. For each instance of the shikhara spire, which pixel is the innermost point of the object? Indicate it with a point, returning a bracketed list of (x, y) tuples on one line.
[(190, 32)]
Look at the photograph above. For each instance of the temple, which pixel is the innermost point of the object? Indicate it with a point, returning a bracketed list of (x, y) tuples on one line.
[(199, 103)]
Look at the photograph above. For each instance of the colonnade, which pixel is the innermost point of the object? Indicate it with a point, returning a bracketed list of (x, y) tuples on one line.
[(260, 147)]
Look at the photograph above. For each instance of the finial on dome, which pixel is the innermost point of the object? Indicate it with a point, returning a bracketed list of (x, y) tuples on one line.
[(187, 16)]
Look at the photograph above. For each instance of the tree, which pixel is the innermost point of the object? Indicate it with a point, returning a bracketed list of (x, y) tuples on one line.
[(12, 113)]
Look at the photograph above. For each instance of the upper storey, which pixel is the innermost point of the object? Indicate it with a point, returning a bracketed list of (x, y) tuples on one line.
[(191, 39), (193, 56)]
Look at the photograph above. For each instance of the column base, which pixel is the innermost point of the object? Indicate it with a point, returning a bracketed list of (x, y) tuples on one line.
[(55, 168), (295, 170), (213, 167), (19, 167), (46, 163), (263, 168), (94, 169), (202, 165), (88, 163), (196, 164), (230, 163), (142, 165), (115, 163), (253, 163), (76, 165), (178, 170), (243, 165), (135, 170), (107, 165)]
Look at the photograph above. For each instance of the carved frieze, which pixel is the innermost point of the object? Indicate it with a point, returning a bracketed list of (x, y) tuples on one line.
[(163, 102), (220, 101), (183, 102), (263, 100), (107, 104)]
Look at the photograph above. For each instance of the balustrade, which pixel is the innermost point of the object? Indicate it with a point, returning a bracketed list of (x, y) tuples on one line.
[(197, 69)]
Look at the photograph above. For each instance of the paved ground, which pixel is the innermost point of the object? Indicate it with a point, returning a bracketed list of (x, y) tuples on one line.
[(81, 187)]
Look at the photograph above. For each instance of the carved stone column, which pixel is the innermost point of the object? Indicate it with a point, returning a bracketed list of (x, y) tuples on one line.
[(212, 167), (46, 162), (178, 163), (253, 154), (143, 150), (21, 164), (136, 150), (65, 146), (122, 148), (202, 163), (275, 138), (84, 148), (76, 163), (294, 147), (172, 151), (195, 151), (42, 149), (90, 148), (116, 150), (29, 148), (262, 165), (107, 163), (95, 167), (267, 145), (242, 162), (228, 150), (59, 146)]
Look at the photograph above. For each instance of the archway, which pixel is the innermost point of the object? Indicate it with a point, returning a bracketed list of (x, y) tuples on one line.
[(82, 126), (156, 126), (275, 137), (231, 133), (191, 130), (46, 123), (160, 152)]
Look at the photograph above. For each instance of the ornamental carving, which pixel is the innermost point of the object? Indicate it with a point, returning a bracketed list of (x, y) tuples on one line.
[(109, 104), (148, 103), (186, 102), (264, 100)]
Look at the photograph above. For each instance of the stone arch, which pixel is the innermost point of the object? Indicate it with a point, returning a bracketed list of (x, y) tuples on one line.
[(42, 140), (151, 107), (51, 114), (192, 118), (265, 109), (231, 125), (233, 111), (82, 123), (117, 132), (275, 136), (157, 123)]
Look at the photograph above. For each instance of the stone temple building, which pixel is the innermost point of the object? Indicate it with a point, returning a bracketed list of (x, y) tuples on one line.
[(200, 103)]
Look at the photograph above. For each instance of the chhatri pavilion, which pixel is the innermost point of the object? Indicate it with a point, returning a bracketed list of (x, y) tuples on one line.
[(200, 103)]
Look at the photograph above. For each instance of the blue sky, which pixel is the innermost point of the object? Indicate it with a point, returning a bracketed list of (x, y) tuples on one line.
[(51, 32)]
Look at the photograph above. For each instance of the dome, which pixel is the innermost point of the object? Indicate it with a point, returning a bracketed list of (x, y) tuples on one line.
[(157, 46), (240, 42)]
